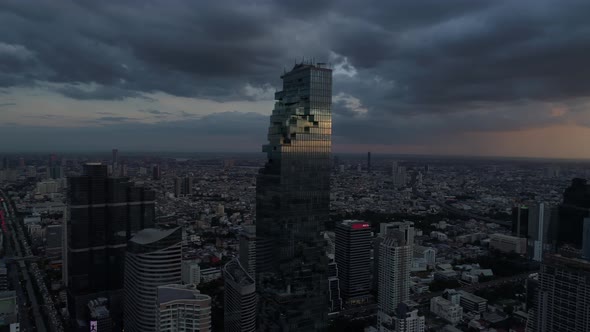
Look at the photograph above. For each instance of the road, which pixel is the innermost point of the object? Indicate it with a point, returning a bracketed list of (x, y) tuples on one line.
[(461, 212), (8, 229), (32, 269), (420, 298)]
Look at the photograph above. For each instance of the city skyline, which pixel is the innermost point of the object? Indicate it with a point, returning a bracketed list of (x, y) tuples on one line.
[(460, 78)]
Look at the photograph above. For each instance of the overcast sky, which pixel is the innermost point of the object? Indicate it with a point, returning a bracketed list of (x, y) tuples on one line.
[(426, 77)]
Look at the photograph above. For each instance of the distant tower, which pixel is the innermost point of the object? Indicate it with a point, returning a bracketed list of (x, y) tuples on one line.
[(369, 162), (239, 298), (520, 221), (115, 157), (156, 172), (182, 308), (353, 256), (395, 264), (153, 259), (177, 186)]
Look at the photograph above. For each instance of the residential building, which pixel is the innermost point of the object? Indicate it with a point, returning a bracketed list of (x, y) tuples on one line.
[(247, 254), (191, 273), (471, 302), (153, 259), (563, 295), (239, 298), (395, 264), (446, 309), (182, 308)]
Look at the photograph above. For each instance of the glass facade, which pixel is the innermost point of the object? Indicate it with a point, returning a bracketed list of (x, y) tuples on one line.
[(103, 213), (292, 204)]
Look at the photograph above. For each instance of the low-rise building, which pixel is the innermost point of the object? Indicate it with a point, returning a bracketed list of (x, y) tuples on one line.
[(471, 302), (507, 243), (446, 309)]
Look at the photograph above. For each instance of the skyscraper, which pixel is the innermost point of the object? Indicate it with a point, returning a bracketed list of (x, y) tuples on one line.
[(156, 172), (293, 203), (153, 259), (115, 157), (563, 295), (395, 264), (538, 228), (103, 213), (571, 213), (369, 162), (520, 221), (182, 308), (247, 253), (353, 256), (239, 298)]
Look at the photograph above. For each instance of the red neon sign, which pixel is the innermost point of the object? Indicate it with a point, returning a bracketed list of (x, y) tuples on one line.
[(360, 226)]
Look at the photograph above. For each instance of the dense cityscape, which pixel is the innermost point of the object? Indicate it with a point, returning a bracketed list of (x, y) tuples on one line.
[(294, 166), (300, 242)]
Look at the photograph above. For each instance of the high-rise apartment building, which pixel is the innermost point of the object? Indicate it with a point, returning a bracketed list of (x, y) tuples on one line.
[(153, 259), (247, 254), (520, 221), (293, 203), (353, 256), (563, 298), (102, 215), (182, 308), (239, 298), (394, 267), (183, 186)]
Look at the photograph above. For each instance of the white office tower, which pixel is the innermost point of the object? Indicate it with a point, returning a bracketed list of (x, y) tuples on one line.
[(399, 175), (247, 254), (182, 308), (153, 259), (538, 226), (239, 298), (191, 272), (395, 264), (407, 319)]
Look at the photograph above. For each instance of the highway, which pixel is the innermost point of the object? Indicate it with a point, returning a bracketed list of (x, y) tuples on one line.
[(7, 216), (33, 270)]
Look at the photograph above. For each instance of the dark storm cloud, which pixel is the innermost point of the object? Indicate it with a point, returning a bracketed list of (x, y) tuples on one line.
[(437, 52), (408, 62)]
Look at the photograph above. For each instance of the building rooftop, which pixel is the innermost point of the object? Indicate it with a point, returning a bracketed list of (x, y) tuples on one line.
[(150, 235), (237, 273)]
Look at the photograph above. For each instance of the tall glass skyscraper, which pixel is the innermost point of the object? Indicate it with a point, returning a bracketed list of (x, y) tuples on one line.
[(103, 214), (293, 204)]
